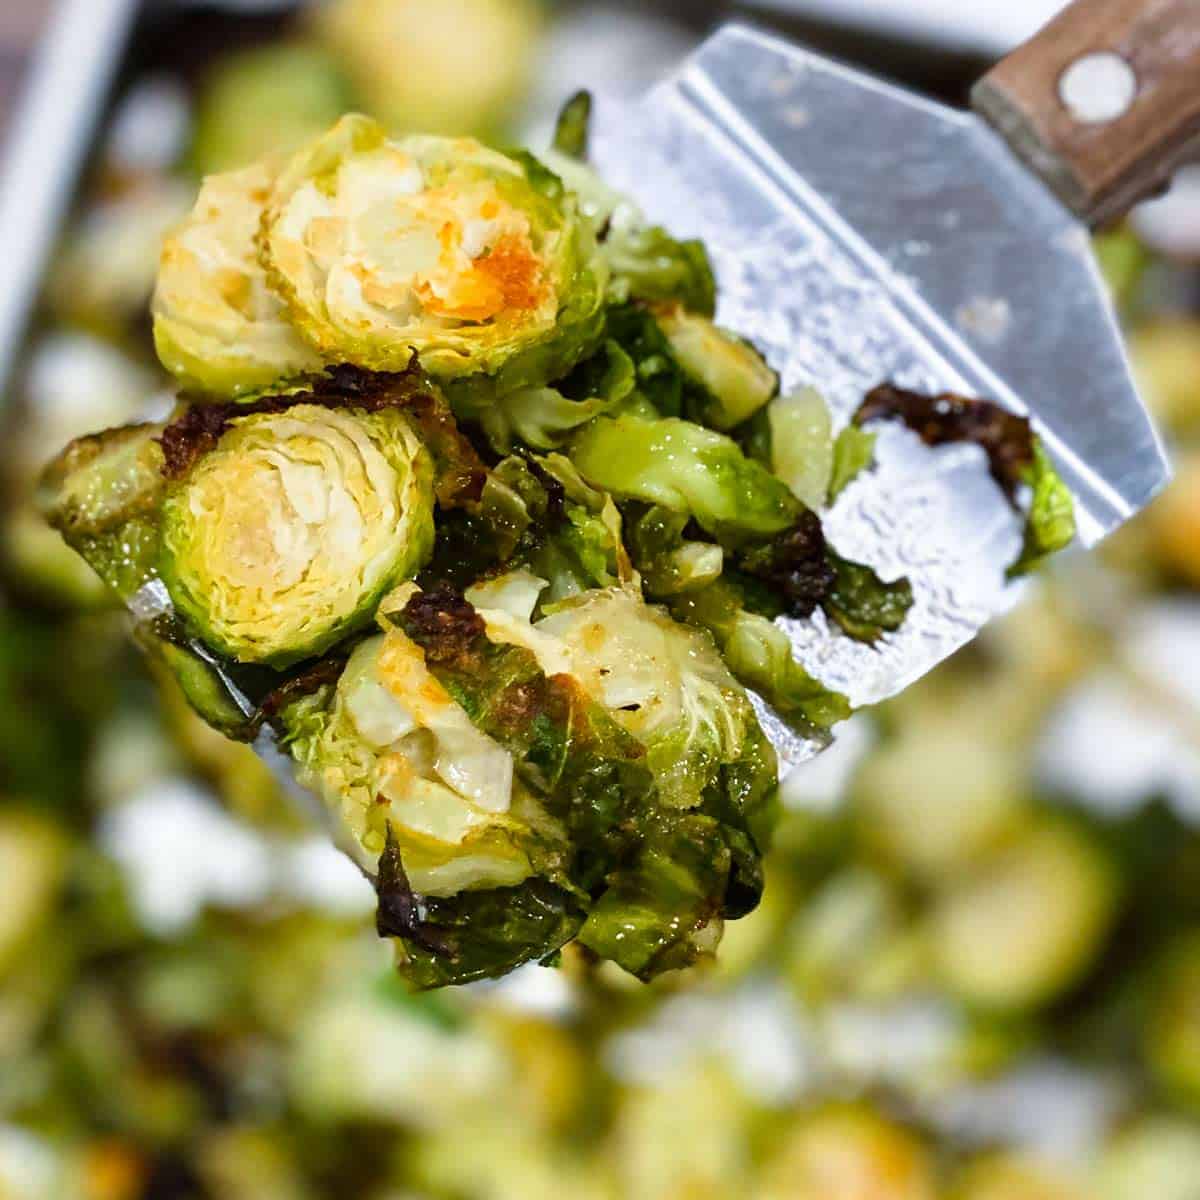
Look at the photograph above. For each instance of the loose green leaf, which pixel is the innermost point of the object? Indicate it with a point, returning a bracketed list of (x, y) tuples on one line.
[(648, 264), (1050, 525), (687, 469), (863, 604), (573, 127), (853, 453), (759, 654)]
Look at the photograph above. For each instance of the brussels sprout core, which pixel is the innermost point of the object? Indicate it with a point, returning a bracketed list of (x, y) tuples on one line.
[(433, 245), (284, 537)]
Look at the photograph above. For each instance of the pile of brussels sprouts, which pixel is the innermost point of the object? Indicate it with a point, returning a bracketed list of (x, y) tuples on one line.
[(469, 505)]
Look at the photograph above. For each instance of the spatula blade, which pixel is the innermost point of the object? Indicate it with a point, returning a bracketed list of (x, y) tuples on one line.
[(862, 234)]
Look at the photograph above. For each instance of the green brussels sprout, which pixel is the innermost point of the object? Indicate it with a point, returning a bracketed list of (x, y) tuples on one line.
[(727, 379), (518, 783), (1028, 922), (104, 494), (103, 277), (1171, 1035), (847, 1150), (284, 537), (935, 799), (435, 66), (1050, 524), (218, 327), (266, 101), (477, 262)]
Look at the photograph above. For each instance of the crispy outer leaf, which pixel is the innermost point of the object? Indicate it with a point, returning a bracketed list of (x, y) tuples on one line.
[(474, 935), (657, 908), (863, 604), (759, 654)]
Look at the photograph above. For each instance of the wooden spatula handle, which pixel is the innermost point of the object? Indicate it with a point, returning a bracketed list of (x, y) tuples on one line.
[(1104, 103)]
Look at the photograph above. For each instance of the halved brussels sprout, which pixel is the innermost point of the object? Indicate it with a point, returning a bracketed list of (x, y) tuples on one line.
[(476, 261), (436, 66), (729, 379), (104, 275), (284, 537), (523, 783), (1028, 922), (266, 101), (218, 327)]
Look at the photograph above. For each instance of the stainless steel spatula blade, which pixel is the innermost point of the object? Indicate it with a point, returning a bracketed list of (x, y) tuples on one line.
[(862, 234)]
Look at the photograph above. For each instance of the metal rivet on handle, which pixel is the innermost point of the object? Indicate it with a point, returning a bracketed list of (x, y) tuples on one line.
[(1098, 88)]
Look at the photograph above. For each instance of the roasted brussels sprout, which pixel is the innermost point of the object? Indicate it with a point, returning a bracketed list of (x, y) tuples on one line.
[(104, 275), (1024, 926), (435, 66), (728, 379), (218, 327), (266, 102), (284, 537), (475, 261), (596, 773)]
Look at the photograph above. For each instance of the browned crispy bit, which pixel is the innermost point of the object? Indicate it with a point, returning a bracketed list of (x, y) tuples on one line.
[(459, 471), (1006, 438), (445, 625)]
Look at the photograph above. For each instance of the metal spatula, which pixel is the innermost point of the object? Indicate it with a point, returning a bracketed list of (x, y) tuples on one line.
[(863, 234)]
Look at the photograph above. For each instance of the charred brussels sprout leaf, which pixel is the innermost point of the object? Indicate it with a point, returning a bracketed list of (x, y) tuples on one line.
[(659, 912), (1050, 526), (688, 469), (474, 935), (476, 261), (1015, 456), (218, 327), (1005, 438), (796, 566), (863, 604), (282, 539)]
